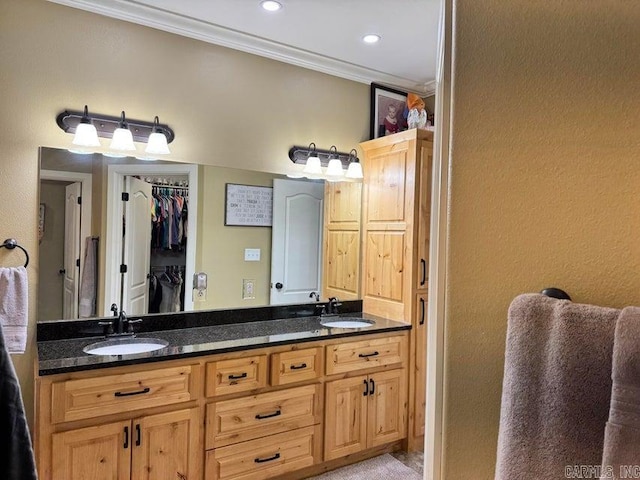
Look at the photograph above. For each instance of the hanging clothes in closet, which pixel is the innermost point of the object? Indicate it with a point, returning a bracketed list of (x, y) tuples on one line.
[(169, 215), (166, 289)]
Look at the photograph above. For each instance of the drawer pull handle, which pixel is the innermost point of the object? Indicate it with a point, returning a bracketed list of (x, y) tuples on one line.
[(423, 264), (238, 377), (139, 437), (269, 415), (137, 392), (126, 437), (298, 367), (422, 311), (366, 388), (366, 355), (262, 460), (372, 384)]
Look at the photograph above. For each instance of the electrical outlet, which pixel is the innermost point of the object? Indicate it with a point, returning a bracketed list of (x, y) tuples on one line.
[(199, 295), (248, 289), (251, 254)]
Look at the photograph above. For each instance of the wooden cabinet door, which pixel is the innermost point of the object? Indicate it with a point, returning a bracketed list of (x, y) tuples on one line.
[(341, 255), (420, 374), (387, 407), (96, 453), (423, 212), (345, 420), (165, 446)]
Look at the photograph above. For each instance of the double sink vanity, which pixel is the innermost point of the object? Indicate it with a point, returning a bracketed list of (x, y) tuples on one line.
[(250, 393)]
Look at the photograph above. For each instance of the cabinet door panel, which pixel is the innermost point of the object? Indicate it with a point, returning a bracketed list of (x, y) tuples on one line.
[(423, 220), (164, 446), (96, 453), (385, 179), (387, 408), (345, 420), (420, 332)]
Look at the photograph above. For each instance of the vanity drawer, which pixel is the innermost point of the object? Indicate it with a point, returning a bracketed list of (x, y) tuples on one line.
[(346, 357), (265, 457), (107, 394), (247, 418), (296, 366), (236, 375)]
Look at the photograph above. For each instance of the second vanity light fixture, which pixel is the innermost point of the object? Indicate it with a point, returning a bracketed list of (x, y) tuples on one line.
[(122, 131), (314, 159)]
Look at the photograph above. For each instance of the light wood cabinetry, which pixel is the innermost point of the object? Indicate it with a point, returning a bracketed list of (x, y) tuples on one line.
[(158, 447), (395, 242), (246, 415), (238, 375), (364, 412), (341, 245), (296, 366)]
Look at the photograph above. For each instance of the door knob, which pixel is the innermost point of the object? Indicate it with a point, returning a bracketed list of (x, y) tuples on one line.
[(62, 271), (279, 286)]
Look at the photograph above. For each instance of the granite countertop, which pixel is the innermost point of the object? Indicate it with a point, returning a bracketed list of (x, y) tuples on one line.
[(66, 355)]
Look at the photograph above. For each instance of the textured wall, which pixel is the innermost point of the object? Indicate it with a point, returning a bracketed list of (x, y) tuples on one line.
[(227, 108), (545, 183)]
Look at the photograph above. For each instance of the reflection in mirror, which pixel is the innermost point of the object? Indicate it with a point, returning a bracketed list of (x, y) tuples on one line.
[(85, 242)]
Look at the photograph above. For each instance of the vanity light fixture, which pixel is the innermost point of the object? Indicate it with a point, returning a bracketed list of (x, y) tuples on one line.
[(122, 139), (313, 168), (157, 144), (335, 172), (79, 123), (355, 168), (86, 135), (314, 159)]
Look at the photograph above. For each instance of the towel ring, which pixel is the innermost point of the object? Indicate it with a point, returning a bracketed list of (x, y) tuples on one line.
[(11, 243)]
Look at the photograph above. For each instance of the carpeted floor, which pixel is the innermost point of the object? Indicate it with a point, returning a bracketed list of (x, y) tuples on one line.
[(383, 467)]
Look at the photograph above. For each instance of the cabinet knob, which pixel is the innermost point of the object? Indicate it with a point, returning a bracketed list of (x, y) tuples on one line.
[(279, 286)]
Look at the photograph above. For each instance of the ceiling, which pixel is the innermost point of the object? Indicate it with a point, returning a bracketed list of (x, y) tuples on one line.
[(323, 35)]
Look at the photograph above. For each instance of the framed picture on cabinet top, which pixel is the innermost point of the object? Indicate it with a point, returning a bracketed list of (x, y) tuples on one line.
[(387, 111)]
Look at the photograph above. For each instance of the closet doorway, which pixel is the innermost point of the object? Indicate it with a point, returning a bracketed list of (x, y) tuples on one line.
[(129, 240)]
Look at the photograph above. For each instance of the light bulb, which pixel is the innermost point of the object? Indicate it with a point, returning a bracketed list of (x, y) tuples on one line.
[(355, 171), (313, 169), (335, 172)]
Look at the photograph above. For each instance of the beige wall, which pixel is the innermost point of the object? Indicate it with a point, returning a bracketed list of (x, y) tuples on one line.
[(220, 251), (227, 108), (545, 183)]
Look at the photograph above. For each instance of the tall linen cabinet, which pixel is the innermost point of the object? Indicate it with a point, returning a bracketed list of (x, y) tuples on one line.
[(396, 198)]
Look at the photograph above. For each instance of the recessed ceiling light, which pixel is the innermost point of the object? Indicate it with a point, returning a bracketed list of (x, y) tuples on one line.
[(271, 5), (371, 38)]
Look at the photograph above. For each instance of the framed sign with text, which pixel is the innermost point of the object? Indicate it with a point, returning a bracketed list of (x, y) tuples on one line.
[(248, 205)]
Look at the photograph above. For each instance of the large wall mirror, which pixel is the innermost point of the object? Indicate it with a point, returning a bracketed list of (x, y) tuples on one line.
[(171, 227)]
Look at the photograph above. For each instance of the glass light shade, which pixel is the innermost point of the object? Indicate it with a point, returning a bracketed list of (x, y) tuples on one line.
[(122, 140), (335, 172), (355, 171), (313, 169), (86, 136), (157, 144)]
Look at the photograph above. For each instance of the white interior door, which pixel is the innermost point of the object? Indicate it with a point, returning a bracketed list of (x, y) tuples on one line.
[(71, 277), (296, 246), (137, 246)]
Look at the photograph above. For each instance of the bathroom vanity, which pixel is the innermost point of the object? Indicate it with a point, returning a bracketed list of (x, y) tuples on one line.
[(243, 399)]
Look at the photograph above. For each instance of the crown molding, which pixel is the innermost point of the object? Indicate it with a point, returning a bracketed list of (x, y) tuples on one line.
[(137, 13)]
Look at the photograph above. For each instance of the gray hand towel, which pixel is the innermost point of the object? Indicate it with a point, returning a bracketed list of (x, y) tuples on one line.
[(621, 455), (556, 387)]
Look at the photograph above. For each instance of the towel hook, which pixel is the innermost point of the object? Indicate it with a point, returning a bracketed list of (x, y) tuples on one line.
[(11, 243), (554, 292)]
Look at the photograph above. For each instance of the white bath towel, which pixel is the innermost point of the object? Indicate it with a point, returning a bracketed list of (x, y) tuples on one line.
[(89, 282), (13, 307)]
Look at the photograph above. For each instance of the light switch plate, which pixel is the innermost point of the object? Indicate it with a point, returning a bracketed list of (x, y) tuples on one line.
[(251, 254)]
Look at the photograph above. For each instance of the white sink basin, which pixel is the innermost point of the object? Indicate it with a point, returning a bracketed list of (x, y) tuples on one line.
[(346, 322), (125, 346)]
